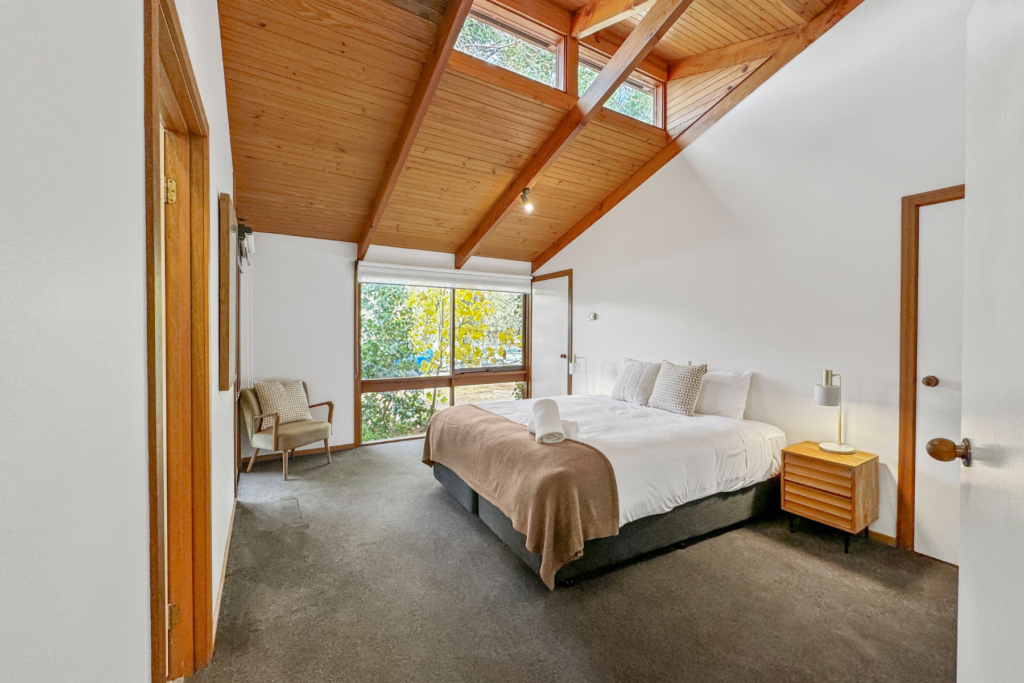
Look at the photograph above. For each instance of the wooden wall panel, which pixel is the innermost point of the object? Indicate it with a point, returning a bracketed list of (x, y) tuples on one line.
[(712, 24), (604, 156), (688, 98), (316, 93), (475, 139)]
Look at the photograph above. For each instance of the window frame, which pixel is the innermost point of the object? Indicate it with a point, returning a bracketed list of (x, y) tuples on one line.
[(455, 378), (526, 30), (589, 57)]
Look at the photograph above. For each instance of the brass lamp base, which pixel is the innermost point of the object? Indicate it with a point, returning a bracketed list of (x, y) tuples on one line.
[(840, 448)]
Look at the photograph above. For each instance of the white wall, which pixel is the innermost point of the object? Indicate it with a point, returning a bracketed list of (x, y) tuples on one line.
[(74, 511), (200, 24), (773, 243), (298, 315), (991, 595)]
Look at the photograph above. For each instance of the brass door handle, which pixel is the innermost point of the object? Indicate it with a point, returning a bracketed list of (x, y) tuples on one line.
[(930, 381), (945, 450)]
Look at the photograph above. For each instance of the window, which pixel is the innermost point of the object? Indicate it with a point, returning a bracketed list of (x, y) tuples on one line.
[(633, 98), (500, 43), (408, 371)]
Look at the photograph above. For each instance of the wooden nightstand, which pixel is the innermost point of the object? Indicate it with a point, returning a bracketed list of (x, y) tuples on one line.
[(838, 490)]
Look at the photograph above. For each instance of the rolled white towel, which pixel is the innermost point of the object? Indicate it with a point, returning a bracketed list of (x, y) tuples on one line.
[(548, 422), (570, 427)]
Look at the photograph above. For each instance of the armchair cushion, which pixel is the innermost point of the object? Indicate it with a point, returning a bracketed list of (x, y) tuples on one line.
[(292, 435), (286, 398)]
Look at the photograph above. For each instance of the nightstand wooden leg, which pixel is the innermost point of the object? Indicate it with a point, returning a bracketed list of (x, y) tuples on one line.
[(846, 544), (792, 519)]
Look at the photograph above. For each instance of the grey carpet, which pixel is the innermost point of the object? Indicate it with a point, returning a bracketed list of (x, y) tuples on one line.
[(366, 570)]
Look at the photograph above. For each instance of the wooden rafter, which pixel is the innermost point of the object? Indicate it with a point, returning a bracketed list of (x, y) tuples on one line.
[(732, 55), (447, 33), (639, 43), (789, 49), (599, 14)]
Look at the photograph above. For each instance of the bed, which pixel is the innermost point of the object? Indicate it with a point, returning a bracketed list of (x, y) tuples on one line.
[(676, 477)]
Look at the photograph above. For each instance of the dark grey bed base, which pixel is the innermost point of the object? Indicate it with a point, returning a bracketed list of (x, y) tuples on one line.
[(697, 518)]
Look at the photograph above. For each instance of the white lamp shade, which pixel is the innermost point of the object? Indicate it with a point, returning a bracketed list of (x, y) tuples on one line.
[(575, 368), (826, 396)]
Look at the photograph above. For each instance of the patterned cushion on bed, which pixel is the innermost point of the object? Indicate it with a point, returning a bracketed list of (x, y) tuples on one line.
[(636, 381), (677, 387)]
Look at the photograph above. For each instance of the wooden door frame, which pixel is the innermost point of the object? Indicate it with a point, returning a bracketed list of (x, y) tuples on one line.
[(553, 276), (172, 101), (909, 248)]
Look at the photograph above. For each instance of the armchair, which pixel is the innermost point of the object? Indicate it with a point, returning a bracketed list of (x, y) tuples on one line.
[(283, 437)]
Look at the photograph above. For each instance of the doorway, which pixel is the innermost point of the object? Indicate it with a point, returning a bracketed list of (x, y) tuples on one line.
[(928, 494), (177, 265), (551, 335)]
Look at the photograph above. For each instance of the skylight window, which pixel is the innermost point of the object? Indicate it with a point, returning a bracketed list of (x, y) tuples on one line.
[(633, 98), (506, 46)]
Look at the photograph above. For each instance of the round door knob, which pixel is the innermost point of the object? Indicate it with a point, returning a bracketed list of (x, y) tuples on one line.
[(930, 381), (945, 450), (562, 355)]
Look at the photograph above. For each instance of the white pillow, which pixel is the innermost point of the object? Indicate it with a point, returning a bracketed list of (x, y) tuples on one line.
[(636, 381), (724, 394)]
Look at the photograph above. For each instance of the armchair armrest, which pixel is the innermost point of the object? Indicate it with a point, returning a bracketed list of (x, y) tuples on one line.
[(273, 433), (330, 410)]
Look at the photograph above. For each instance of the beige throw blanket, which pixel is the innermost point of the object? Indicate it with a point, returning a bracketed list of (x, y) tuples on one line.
[(557, 495)]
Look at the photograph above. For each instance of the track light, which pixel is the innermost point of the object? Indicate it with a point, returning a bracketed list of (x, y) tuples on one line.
[(527, 204)]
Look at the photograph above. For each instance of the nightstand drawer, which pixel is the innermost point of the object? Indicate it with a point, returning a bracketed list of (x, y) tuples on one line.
[(840, 522), (815, 480), (825, 468), (842, 504)]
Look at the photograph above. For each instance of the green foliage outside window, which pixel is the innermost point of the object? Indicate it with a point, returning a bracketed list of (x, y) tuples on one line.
[(625, 100), (405, 332), (495, 46)]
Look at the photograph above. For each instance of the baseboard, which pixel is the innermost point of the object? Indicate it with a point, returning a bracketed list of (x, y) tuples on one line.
[(223, 574), (276, 455), (882, 538)]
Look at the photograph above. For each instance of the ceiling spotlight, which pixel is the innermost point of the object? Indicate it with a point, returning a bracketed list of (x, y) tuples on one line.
[(527, 204)]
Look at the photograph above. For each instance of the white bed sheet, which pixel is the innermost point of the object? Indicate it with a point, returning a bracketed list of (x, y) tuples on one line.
[(663, 460)]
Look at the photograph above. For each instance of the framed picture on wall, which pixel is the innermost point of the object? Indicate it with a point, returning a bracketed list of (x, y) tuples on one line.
[(228, 257)]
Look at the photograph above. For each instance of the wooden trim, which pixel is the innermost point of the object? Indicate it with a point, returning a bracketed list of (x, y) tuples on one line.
[(357, 403), (172, 100), (430, 78), (607, 44), (882, 538), (571, 66), (909, 259), (225, 219), (475, 379), (796, 44), (732, 55), (552, 276), (546, 13), (376, 386), (202, 548), (599, 14), (640, 42), (397, 439)]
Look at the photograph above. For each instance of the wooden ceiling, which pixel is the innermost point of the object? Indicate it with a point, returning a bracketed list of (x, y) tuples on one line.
[(354, 120)]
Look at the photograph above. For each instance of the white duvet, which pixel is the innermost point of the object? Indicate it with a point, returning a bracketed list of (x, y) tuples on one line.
[(662, 460)]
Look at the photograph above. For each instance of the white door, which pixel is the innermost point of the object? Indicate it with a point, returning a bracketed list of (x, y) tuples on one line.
[(940, 338), (990, 628), (550, 340)]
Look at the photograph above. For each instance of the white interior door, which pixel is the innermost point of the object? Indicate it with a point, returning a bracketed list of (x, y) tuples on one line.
[(940, 340), (550, 340), (990, 627)]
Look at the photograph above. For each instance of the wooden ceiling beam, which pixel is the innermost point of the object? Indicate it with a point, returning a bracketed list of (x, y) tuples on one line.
[(731, 55), (640, 42), (599, 14), (447, 32), (792, 47)]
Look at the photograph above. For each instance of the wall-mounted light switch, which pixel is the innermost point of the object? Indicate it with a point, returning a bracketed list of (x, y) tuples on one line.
[(591, 316)]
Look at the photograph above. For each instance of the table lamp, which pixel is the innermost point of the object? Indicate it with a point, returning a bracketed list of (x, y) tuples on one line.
[(829, 394)]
